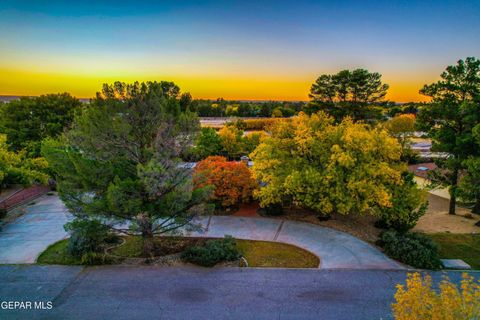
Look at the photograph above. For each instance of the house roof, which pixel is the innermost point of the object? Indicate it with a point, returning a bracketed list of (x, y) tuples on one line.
[(422, 169)]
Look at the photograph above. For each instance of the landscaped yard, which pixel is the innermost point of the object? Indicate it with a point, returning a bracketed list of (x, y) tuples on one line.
[(459, 246), (257, 253), (275, 254), (132, 248), (57, 254)]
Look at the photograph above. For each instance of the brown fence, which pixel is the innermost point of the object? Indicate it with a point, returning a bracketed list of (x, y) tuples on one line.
[(23, 196)]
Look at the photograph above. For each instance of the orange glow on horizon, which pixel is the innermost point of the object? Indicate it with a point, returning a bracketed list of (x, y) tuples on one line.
[(15, 82)]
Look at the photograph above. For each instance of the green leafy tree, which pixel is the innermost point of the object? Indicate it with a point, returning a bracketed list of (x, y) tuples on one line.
[(245, 110), (170, 89), (120, 162), (329, 168), (185, 101), (277, 113), (252, 140), (348, 93), (469, 188), (16, 168), (402, 128), (449, 119), (29, 120), (232, 110), (393, 109), (266, 109), (208, 143), (232, 141), (222, 108)]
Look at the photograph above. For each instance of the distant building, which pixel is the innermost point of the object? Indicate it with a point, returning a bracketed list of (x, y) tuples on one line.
[(421, 172), (422, 169)]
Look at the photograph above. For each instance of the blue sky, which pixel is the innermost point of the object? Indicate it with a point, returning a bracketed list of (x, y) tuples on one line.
[(262, 49)]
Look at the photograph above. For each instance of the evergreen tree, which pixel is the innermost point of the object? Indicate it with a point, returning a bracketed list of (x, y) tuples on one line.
[(120, 162)]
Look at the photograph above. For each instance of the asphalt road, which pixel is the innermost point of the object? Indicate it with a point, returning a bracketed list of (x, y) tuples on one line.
[(198, 293)]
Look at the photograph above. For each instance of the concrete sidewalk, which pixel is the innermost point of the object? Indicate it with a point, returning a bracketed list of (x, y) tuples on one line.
[(22, 240), (336, 250)]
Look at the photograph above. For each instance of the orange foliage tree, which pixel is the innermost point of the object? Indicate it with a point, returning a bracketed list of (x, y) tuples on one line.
[(233, 181)]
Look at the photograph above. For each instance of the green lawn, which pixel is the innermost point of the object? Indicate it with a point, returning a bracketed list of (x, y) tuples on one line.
[(275, 254), (57, 254), (459, 246), (257, 253), (132, 248)]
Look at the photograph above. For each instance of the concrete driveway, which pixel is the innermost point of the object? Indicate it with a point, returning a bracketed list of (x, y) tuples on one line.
[(199, 293), (22, 240), (336, 250)]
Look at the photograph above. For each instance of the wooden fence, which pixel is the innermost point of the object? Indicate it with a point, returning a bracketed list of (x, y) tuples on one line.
[(23, 196)]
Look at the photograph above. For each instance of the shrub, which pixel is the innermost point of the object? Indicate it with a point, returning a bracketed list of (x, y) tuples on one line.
[(95, 258), (86, 236), (213, 252), (411, 248), (233, 181), (418, 300), (408, 205), (403, 219)]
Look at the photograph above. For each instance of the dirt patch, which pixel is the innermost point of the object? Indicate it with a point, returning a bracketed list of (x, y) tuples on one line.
[(435, 220), (248, 210), (438, 220), (360, 226)]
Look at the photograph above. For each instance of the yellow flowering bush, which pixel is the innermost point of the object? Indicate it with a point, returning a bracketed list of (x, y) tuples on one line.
[(417, 300)]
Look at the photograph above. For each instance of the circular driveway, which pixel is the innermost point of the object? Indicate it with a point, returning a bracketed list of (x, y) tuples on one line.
[(336, 250), (25, 238)]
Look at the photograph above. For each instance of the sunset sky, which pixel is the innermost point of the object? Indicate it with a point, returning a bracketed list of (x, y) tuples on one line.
[(236, 50)]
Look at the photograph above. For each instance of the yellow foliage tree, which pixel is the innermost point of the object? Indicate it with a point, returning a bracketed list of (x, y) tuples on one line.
[(402, 127), (419, 301), (231, 140), (342, 168), (251, 140)]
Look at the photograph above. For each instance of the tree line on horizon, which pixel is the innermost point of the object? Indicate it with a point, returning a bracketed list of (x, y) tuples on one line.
[(358, 93)]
